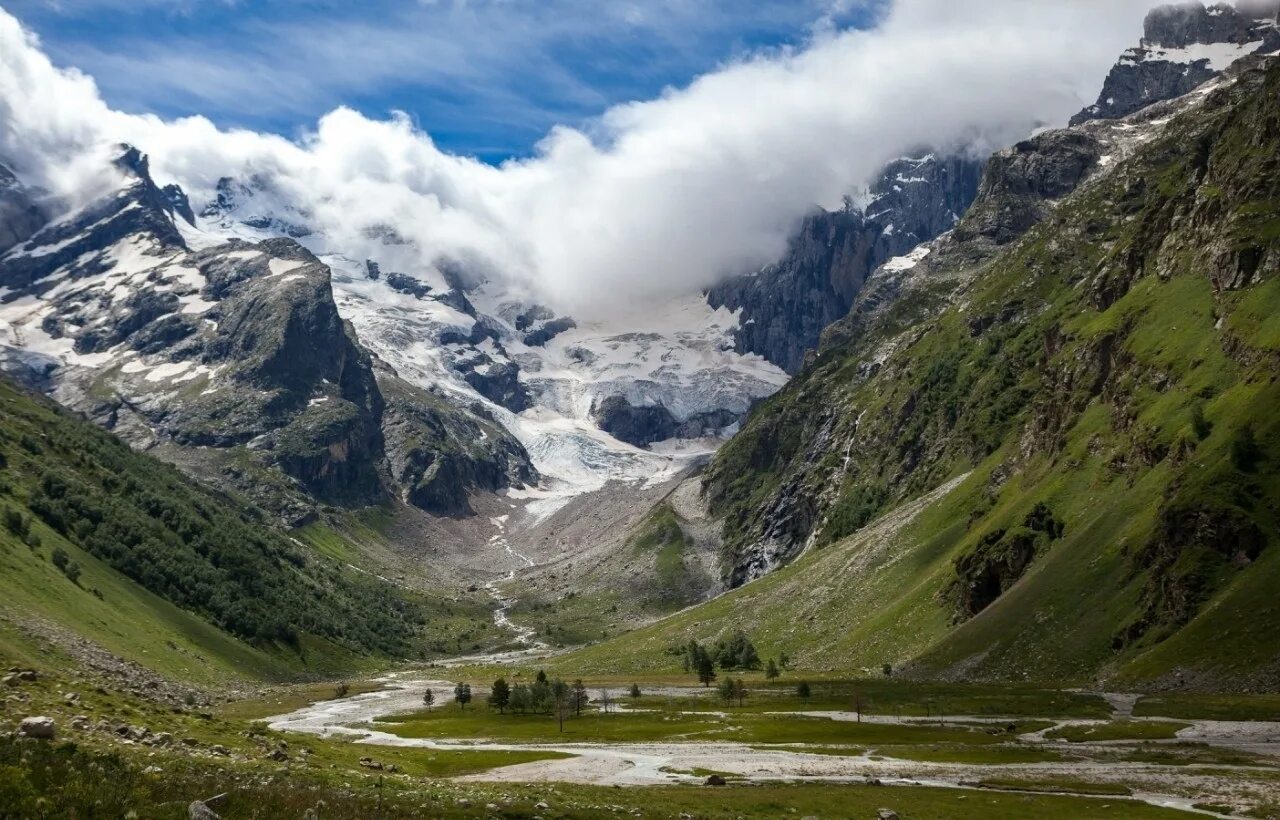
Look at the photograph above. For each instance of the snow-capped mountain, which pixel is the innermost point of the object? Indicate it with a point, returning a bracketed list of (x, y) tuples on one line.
[(1182, 46), (228, 355)]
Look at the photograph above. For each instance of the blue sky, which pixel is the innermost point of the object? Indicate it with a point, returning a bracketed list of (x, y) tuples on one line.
[(484, 77)]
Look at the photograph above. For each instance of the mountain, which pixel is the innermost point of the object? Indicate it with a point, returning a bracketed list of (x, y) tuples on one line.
[(1043, 445), (229, 357), (1182, 46), (95, 538), (784, 307)]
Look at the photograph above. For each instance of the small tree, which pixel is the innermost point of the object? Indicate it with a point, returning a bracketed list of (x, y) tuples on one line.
[(60, 559), (705, 668), (740, 691), (579, 697), (771, 670), (521, 702), (1200, 425), (561, 701), (428, 699), (500, 695), (462, 694), (857, 704), (887, 669), (784, 661), (727, 691), (606, 701), (541, 677), (635, 691), (1245, 452), (803, 691), (72, 571)]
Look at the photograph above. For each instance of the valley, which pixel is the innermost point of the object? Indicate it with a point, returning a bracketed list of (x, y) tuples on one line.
[(341, 476)]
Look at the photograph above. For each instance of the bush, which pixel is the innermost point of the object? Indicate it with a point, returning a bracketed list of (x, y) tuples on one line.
[(60, 559), (16, 523), (1245, 452)]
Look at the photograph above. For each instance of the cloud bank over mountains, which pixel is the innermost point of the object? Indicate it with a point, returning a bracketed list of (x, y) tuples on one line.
[(655, 197)]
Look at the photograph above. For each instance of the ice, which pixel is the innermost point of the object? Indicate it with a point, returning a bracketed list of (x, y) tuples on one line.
[(899, 264)]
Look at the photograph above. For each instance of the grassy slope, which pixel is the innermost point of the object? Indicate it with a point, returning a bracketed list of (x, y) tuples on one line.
[(1112, 597), (43, 608)]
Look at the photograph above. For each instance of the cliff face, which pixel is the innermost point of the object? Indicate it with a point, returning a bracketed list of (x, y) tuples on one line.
[(1182, 46), (786, 306)]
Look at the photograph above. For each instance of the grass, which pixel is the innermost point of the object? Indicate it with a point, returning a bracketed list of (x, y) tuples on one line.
[(1001, 755), (1054, 784), (1118, 730), (62, 780), (284, 701), (1194, 754), (903, 698), (1192, 706), (742, 727)]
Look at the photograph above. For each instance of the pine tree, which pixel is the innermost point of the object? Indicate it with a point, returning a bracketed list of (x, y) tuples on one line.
[(771, 670), (462, 694), (635, 690), (803, 692), (500, 695), (705, 667), (580, 697), (542, 676), (428, 699)]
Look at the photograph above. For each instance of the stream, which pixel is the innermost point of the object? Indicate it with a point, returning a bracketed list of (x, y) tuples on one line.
[(667, 762)]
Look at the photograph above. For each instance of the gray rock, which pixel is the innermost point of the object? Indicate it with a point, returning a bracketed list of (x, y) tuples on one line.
[(786, 306), (42, 728), (1144, 76), (886, 814)]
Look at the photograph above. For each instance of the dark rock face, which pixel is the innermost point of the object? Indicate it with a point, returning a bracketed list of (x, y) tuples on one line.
[(140, 209), (786, 306), (1149, 73), (439, 454), (644, 425), (499, 382), (1019, 182), (20, 215), (404, 284)]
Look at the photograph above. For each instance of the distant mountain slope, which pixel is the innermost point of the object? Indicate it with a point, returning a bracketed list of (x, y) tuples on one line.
[(125, 551), (784, 307), (1095, 347)]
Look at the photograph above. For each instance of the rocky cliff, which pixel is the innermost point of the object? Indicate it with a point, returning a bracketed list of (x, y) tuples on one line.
[(786, 306), (1183, 45)]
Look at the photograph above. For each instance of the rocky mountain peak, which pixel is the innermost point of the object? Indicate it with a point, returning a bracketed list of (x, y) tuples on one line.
[(1183, 46)]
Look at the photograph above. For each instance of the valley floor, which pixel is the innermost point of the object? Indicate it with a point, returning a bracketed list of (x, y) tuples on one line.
[(678, 736)]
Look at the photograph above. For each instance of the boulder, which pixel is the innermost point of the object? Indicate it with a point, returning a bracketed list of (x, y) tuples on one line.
[(41, 727), (886, 814)]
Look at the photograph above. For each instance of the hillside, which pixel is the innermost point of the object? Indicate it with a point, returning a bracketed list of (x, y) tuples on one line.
[(124, 551), (1090, 359)]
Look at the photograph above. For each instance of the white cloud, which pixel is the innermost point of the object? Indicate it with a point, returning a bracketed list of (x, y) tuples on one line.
[(663, 195)]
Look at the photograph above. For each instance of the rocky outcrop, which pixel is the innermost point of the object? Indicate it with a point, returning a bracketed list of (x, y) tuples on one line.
[(1019, 184), (646, 424), (20, 215), (1183, 46), (785, 306), (440, 454)]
